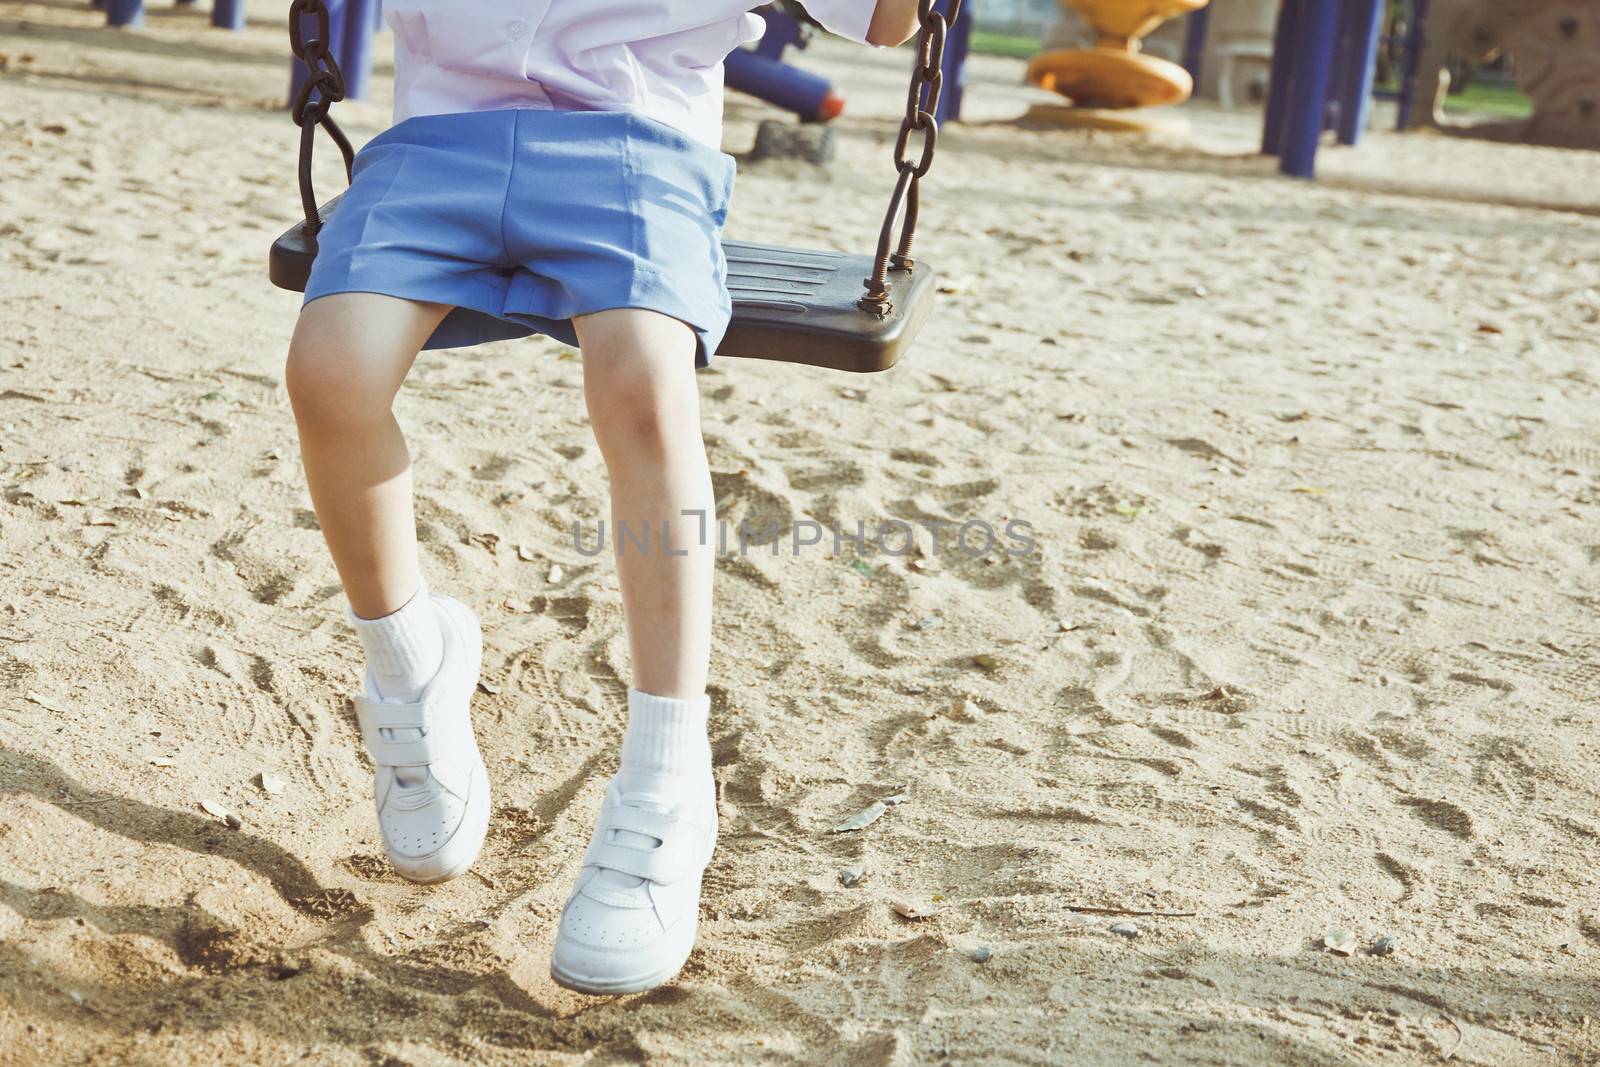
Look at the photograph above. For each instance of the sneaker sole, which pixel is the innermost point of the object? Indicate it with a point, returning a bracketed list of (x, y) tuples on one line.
[(615, 987)]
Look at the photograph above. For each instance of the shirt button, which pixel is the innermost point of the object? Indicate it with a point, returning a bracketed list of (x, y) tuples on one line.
[(516, 28)]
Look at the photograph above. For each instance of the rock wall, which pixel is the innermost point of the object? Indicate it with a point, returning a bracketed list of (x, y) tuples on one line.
[(1554, 46)]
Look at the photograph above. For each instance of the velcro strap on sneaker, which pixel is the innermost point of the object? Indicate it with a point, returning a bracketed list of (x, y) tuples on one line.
[(682, 851), (375, 717), (663, 865), (649, 823)]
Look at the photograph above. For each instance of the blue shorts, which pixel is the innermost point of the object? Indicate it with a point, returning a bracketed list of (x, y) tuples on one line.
[(522, 219)]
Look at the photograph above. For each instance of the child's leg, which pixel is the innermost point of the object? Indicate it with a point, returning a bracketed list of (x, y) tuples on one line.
[(350, 353), (630, 922), (644, 404)]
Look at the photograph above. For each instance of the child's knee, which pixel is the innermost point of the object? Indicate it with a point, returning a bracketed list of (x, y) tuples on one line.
[(639, 381), (635, 414), (330, 383)]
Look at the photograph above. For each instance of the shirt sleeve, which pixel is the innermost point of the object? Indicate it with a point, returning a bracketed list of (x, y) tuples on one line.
[(847, 18)]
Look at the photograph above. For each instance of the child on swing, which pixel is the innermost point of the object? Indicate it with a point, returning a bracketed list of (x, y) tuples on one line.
[(555, 167)]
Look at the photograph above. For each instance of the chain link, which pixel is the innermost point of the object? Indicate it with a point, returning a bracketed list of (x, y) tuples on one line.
[(323, 87), (298, 10), (922, 103)]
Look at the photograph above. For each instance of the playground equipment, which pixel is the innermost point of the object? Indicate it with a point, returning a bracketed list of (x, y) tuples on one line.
[(953, 68), (1324, 51), (354, 24), (762, 73), (1114, 75), (1226, 48), (1454, 27), (1325, 56), (792, 305), (228, 14), (1554, 47)]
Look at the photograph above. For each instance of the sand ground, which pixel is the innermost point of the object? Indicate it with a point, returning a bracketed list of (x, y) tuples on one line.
[(1309, 641)]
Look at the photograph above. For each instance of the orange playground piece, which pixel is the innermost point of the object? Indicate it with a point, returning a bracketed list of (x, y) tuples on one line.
[(1113, 74)]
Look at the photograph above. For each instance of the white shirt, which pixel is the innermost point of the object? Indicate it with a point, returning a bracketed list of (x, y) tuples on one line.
[(658, 58)]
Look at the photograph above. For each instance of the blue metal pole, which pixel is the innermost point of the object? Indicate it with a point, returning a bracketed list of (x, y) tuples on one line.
[(1281, 80), (1196, 28), (355, 52), (954, 69), (1339, 73), (1413, 61), (128, 13), (229, 14), (1313, 61), (1362, 68)]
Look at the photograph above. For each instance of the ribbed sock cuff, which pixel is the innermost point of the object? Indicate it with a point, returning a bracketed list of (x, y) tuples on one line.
[(404, 649), (666, 736)]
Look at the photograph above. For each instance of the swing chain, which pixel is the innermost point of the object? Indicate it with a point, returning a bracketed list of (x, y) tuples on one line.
[(323, 87), (922, 103)]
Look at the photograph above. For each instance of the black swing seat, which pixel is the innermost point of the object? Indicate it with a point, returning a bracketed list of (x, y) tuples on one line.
[(789, 304)]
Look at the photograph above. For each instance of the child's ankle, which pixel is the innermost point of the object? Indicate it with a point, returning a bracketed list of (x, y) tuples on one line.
[(666, 740), (404, 649)]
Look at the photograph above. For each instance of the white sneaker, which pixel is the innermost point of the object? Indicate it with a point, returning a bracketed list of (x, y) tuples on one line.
[(630, 922), (431, 789)]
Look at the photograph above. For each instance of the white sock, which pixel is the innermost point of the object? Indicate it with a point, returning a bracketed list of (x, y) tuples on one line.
[(404, 649), (664, 751), (666, 738)]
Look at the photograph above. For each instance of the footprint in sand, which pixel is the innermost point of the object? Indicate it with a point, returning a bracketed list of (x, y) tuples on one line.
[(1442, 815)]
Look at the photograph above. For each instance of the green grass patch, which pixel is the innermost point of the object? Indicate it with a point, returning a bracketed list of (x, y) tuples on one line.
[(1486, 98), (1001, 44), (1494, 98)]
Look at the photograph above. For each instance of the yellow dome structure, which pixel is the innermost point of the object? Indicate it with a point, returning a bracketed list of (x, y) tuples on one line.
[(1114, 75)]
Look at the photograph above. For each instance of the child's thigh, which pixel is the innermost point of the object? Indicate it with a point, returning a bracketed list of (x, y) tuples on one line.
[(636, 363), (642, 340), (358, 347)]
